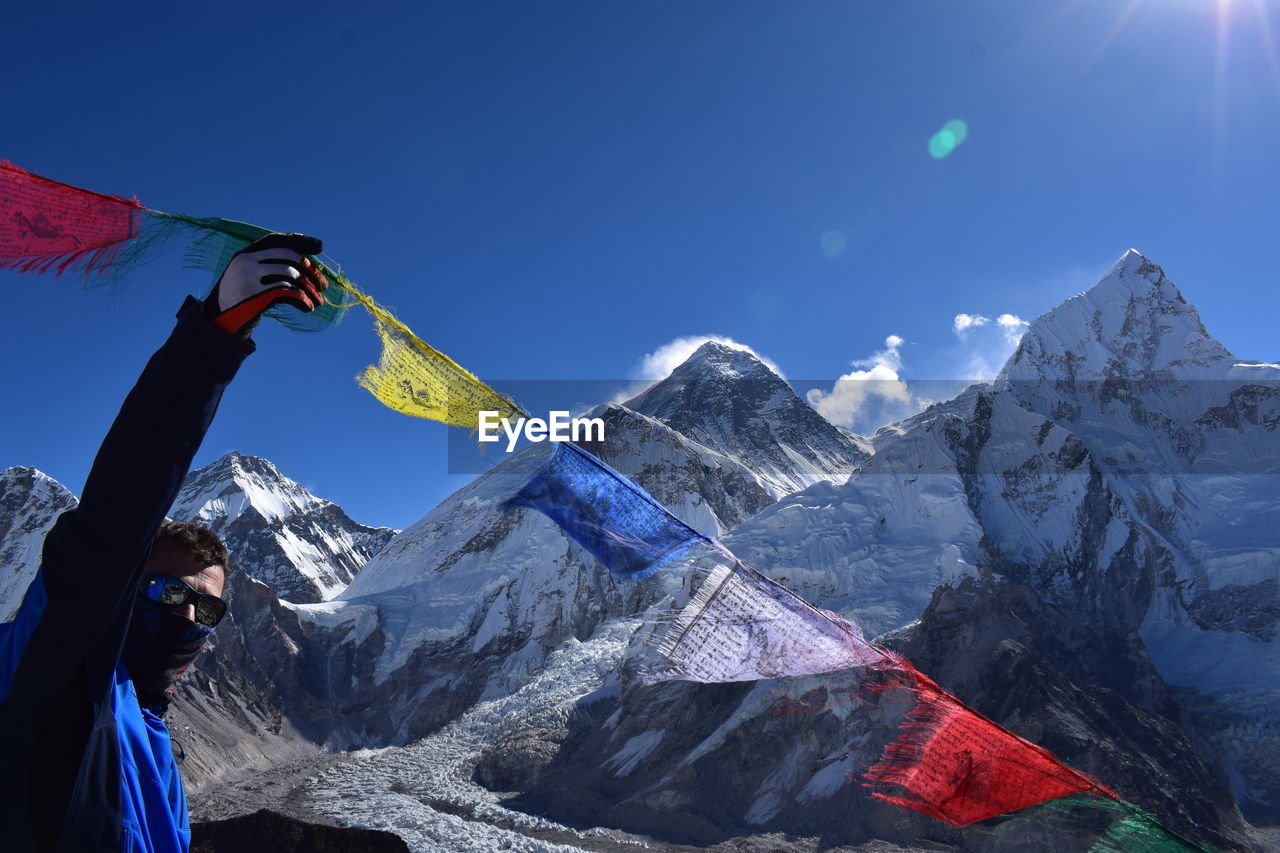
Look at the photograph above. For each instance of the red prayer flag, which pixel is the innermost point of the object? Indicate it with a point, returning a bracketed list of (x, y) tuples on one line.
[(48, 225), (954, 764)]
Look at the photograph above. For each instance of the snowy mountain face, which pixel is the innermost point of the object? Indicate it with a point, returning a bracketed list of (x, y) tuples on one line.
[(1130, 368), (982, 483), (1122, 468), (30, 503), (1186, 437), (466, 604), (305, 548), (1123, 464)]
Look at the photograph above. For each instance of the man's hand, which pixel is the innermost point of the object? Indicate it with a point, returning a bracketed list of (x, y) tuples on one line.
[(270, 270)]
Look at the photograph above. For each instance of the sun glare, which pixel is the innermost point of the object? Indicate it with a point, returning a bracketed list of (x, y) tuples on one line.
[(1232, 21), (1268, 42)]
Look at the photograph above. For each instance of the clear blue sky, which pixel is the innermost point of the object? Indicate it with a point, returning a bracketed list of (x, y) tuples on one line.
[(553, 190)]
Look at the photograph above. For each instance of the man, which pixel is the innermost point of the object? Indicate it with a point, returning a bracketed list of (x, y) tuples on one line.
[(113, 616)]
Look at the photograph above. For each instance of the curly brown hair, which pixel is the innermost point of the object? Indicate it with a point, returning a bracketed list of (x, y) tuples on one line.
[(200, 541)]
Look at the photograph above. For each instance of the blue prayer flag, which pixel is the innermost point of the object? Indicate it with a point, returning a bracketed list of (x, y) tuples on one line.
[(606, 513)]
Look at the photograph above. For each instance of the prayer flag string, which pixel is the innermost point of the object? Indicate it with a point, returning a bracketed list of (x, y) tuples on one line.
[(948, 761), (47, 226)]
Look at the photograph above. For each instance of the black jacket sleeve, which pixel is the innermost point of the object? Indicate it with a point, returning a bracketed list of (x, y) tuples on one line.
[(95, 554), (140, 466)]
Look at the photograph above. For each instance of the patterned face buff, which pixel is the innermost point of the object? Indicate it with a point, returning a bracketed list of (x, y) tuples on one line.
[(159, 647)]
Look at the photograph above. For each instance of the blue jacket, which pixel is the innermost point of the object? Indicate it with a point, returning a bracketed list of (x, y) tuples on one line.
[(83, 768)]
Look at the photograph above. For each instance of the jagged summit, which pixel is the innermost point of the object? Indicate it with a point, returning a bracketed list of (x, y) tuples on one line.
[(729, 400), (1138, 271), (716, 357), (1134, 276), (711, 372), (1134, 323), (304, 547), (711, 369), (221, 491), (1129, 367)]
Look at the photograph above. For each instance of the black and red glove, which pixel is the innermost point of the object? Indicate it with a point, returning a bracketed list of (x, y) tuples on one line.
[(272, 269)]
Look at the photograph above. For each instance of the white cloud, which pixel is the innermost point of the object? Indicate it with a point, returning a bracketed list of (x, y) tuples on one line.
[(984, 351), (1013, 327), (964, 322), (874, 390)]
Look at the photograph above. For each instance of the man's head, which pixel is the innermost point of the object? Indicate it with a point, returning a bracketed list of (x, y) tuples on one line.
[(192, 554), (176, 608)]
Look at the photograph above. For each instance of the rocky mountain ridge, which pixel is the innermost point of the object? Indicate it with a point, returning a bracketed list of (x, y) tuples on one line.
[(999, 483), (1099, 470)]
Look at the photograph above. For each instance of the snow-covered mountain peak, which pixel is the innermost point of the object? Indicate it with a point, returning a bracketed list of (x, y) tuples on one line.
[(1136, 287), (221, 491), (1134, 323), (714, 358), (712, 369), (728, 400), (21, 478), (1138, 271), (304, 547)]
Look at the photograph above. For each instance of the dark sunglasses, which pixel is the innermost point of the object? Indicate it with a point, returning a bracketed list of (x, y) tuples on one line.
[(166, 589)]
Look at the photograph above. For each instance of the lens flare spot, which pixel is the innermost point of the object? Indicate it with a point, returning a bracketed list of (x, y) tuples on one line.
[(833, 243), (946, 140), (941, 144)]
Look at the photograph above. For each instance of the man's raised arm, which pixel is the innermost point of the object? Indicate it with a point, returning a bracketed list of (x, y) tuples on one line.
[(58, 657), (94, 555)]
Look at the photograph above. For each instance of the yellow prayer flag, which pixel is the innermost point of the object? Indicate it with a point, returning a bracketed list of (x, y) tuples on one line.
[(416, 379)]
